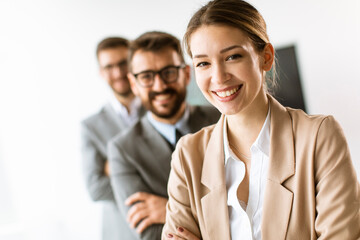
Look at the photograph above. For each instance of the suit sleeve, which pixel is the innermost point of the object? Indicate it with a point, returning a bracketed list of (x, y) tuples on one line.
[(93, 161), (337, 188), (126, 180), (178, 209)]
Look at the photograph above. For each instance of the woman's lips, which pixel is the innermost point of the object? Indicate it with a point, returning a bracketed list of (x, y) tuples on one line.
[(227, 94)]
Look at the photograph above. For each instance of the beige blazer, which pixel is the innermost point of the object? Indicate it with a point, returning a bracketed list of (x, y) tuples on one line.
[(312, 191)]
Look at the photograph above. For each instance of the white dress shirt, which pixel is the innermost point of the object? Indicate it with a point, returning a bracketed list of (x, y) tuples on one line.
[(130, 117), (245, 221)]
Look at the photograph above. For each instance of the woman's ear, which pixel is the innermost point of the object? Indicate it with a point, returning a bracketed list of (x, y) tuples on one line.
[(268, 57)]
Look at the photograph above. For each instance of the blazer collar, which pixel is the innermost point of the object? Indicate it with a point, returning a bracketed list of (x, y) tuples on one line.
[(278, 199), (214, 203), (115, 119), (213, 173), (282, 153), (156, 143)]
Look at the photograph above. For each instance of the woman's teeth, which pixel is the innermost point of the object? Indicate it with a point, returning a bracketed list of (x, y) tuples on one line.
[(228, 92)]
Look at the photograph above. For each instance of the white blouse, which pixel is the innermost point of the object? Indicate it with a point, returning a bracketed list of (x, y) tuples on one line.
[(245, 221)]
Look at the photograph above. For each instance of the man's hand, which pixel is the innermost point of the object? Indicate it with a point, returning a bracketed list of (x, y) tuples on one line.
[(147, 208), (182, 234), (107, 168)]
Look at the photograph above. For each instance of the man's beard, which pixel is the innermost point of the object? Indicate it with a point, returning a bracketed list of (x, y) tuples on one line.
[(179, 99), (124, 93)]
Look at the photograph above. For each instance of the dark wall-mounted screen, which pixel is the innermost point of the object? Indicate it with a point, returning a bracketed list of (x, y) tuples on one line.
[(289, 90)]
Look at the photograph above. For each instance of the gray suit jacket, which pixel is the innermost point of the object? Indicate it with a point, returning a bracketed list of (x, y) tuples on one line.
[(140, 161), (96, 131)]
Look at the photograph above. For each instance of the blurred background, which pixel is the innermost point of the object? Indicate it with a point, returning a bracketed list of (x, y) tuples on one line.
[(49, 82)]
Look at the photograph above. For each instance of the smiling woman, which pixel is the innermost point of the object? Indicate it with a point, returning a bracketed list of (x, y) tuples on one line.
[(227, 57), (263, 171)]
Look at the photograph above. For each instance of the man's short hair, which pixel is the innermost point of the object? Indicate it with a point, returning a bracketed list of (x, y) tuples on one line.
[(155, 41), (111, 42)]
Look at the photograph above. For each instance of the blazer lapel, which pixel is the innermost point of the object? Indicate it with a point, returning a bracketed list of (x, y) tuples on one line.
[(278, 200), (113, 117), (156, 150), (154, 140), (214, 203)]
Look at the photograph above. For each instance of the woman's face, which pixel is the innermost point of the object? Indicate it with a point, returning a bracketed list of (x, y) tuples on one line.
[(228, 69)]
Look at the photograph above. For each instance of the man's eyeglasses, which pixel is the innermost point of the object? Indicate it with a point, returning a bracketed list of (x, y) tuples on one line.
[(168, 74), (122, 65)]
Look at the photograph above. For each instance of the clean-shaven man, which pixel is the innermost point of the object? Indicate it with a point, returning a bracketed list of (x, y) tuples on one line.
[(119, 114), (140, 157)]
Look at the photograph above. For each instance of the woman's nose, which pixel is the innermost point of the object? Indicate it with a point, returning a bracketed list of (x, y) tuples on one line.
[(219, 74)]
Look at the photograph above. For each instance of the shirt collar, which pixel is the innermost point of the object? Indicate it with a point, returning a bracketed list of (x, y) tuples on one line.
[(121, 111), (168, 130), (262, 142), (227, 150)]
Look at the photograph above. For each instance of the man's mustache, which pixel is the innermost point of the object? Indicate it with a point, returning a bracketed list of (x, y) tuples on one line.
[(153, 94)]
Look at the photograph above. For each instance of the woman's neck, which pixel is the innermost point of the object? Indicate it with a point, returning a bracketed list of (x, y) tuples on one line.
[(245, 126)]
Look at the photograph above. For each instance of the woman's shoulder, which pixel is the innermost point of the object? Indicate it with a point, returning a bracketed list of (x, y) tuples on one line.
[(298, 116), (299, 119), (313, 123)]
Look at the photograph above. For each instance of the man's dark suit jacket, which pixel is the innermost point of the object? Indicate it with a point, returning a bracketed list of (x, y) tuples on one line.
[(140, 162)]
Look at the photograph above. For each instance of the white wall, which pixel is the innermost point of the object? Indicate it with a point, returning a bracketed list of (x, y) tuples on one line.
[(49, 82)]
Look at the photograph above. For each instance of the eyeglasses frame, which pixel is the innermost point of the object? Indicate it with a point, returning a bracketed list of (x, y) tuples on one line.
[(181, 66)]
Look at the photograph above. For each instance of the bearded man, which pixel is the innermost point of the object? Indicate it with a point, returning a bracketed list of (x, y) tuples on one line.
[(122, 111), (140, 157)]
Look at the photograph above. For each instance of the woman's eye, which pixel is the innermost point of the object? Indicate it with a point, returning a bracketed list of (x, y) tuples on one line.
[(233, 57), (202, 64)]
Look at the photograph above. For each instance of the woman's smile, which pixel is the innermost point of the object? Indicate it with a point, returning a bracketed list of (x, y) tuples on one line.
[(227, 94)]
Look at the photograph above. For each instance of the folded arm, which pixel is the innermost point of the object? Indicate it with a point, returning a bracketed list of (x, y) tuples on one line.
[(93, 164), (140, 210), (145, 210)]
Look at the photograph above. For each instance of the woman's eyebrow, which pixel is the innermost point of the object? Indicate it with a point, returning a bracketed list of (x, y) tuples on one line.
[(222, 51), (200, 56), (230, 48)]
